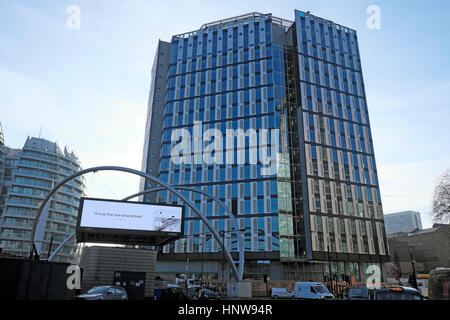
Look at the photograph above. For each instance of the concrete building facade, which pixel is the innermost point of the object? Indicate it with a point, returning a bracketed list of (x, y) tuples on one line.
[(430, 249), (101, 265)]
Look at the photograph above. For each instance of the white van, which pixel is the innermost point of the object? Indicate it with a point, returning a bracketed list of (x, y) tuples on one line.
[(312, 290), (282, 293)]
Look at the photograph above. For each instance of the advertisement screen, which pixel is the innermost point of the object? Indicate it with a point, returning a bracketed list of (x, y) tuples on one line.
[(130, 216)]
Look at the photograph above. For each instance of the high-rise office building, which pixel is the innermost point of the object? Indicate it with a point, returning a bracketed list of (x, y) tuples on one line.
[(29, 174), (300, 176), (2, 170), (404, 221)]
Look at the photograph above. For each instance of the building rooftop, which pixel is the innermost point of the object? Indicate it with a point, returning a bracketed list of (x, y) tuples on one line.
[(234, 20), (49, 146), (435, 227), (323, 20), (400, 213), (42, 145), (12, 153), (247, 16), (286, 24)]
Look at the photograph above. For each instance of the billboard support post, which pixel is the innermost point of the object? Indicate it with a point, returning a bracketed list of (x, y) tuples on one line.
[(142, 174), (61, 245), (221, 204)]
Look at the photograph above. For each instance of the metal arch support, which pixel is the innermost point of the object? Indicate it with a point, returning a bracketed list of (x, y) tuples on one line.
[(61, 245), (142, 174), (220, 203)]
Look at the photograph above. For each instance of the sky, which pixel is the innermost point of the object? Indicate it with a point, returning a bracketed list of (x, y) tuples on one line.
[(88, 88)]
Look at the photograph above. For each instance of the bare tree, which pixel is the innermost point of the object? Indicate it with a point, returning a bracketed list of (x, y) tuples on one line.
[(441, 199)]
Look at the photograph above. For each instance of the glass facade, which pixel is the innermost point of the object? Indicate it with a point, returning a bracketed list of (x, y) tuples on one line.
[(405, 221), (30, 173), (296, 83), (2, 171), (344, 198), (223, 77)]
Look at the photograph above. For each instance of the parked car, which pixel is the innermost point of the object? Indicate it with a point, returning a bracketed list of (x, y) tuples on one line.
[(282, 293), (357, 293), (397, 293), (171, 293), (104, 293), (312, 290), (193, 291), (207, 293)]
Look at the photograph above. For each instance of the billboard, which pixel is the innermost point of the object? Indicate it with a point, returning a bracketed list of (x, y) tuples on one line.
[(125, 222)]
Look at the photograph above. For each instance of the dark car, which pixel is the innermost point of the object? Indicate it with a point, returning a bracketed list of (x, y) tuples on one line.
[(171, 293), (207, 293), (397, 293), (357, 293), (104, 293)]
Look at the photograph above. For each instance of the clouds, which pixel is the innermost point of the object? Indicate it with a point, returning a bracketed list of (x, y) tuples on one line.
[(101, 132), (117, 139), (410, 133), (89, 87), (409, 119), (410, 185), (27, 103)]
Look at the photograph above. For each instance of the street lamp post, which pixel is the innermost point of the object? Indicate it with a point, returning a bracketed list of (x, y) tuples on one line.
[(223, 251), (223, 256), (413, 278), (329, 268), (203, 250), (187, 276)]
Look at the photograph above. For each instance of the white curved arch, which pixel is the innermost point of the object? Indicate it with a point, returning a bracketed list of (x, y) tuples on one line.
[(142, 174)]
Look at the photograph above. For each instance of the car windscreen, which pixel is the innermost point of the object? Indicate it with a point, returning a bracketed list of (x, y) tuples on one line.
[(398, 296), (98, 290), (321, 289), (358, 292)]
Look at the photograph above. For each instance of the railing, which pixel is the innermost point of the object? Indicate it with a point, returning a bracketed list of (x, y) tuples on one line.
[(278, 21), (232, 19)]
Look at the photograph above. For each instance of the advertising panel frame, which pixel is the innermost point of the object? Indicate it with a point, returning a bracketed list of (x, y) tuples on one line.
[(126, 236)]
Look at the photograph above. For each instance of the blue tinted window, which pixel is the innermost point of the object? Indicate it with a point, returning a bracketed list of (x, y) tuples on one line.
[(273, 187), (274, 205)]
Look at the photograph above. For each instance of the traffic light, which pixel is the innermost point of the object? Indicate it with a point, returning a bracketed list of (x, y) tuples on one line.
[(265, 278)]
